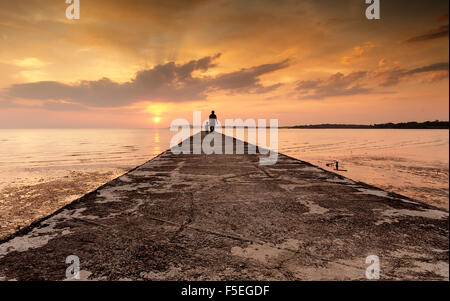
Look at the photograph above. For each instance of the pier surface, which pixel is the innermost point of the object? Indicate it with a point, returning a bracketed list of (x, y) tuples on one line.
[(225, 217)]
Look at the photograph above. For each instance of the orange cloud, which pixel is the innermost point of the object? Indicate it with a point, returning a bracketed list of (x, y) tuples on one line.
[(358, 51)]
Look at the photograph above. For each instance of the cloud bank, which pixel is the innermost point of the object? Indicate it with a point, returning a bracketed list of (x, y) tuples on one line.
[(440, 32), (364, 82), (169, 82), (336, 85)]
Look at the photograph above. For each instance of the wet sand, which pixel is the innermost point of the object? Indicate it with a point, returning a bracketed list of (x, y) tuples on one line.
[(177, 218), (22, 204)]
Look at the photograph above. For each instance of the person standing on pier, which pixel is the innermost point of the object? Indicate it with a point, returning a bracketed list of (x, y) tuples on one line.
[(212, 121)]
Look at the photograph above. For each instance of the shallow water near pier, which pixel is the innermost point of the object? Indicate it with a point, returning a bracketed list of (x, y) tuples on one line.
[(41, 170)]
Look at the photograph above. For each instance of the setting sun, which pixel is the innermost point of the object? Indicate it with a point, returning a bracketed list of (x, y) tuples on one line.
[(156, 119)]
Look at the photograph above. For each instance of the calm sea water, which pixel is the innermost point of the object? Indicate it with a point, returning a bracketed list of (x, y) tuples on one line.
[(43, 169)]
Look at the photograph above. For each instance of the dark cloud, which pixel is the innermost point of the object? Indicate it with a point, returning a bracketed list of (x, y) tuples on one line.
[(167, 82), (389, 77), (306, 85), (247, 79), (393, 76), (433, 67), (364, 82), (336, 85), (440, 32)]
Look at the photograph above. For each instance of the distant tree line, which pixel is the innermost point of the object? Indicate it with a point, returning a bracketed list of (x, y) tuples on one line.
[(403, 125)]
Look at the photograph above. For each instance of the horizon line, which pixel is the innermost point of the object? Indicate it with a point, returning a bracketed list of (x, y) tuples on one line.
[(304, 126)]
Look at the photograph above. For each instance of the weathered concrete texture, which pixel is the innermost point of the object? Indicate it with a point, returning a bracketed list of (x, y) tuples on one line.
[(225, 217)]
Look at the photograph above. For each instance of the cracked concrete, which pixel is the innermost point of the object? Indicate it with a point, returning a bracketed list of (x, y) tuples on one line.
[(225, 217)]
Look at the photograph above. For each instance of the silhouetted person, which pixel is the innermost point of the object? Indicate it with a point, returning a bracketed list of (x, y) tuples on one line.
[(212, 121)]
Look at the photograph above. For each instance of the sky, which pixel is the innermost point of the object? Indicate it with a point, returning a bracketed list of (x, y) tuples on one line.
[(144, 63)]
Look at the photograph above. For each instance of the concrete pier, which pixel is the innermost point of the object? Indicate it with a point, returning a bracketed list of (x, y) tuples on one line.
[(225, 217)]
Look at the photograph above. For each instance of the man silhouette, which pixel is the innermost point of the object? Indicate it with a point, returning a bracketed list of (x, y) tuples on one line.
[(212, 121)]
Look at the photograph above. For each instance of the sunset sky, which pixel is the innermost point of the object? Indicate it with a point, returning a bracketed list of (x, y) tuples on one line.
[(138, 63)]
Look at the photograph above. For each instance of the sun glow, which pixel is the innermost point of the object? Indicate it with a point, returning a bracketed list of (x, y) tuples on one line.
[(156, 119)]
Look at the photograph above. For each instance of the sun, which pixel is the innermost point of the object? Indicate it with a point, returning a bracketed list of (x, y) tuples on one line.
[(156, 119)]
